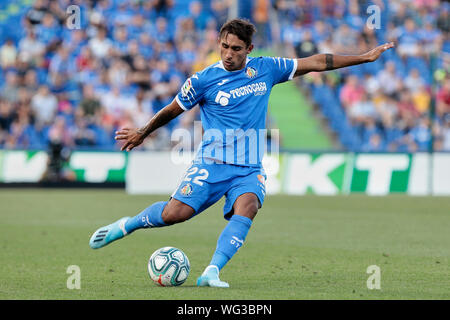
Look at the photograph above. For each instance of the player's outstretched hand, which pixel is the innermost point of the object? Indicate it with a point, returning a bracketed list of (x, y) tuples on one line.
[(132, 137), (375, 53)]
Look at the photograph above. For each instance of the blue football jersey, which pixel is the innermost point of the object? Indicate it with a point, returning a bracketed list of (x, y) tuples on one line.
[(233, 108)]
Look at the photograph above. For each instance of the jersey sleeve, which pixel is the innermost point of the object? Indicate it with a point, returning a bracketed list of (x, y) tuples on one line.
[(191, 92), (282, 69)]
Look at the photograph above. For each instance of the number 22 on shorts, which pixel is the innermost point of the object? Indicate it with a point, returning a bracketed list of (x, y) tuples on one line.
[(198, 178)]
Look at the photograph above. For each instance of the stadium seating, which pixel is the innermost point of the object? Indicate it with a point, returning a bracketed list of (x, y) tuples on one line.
[(162, 38)]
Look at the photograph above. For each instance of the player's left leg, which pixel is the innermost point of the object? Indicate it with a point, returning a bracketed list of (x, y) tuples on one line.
[(231, 239), (244, 198)]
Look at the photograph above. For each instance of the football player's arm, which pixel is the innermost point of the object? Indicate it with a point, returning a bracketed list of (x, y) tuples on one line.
[(328, 61), (135, 136)]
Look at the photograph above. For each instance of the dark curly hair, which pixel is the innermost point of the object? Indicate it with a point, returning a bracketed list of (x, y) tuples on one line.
[(241, 28)]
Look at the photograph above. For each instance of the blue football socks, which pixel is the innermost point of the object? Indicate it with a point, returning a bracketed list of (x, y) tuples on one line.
[(230, 240), (149, 218)]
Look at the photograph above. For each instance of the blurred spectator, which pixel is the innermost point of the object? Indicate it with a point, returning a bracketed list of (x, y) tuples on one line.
[(6, 117), (374, 144), (306, 47), (31, 82), (100, 44), (61, 65), (48, 30), (406, 107), (115, 104), (388, 79), (345, 40), (326, 46), (82, 134), (58, 12), (141, 109), (59, 133), (219, 10), (320, 31), (291, 34), (430, 40), (413, 82), (371, 84), (8, 54), (59, 142), (162, 34), (163, 7), (421, 99), (367, 40), (443, 21), (443, 99), (90, 105), (386, 107), (158, 140), (22, 133), (120, 40), (261, 18), (85, 61), (420, 135), (118, 73), (186, 32), (36, 13), (446, 134), (188, 55), (31, 50), (122, 15), (140, 73), (393, 134), (198, 15), (75, 41), (409, 41), (10, 89), (353, 17), (351, 92), (362, 109), (402, 13), (44, 105), (370, 129)]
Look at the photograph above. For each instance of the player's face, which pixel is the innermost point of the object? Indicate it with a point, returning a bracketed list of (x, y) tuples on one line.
[(233, 52)]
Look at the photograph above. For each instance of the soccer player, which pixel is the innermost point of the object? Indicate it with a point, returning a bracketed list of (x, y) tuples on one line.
[(233, 95)]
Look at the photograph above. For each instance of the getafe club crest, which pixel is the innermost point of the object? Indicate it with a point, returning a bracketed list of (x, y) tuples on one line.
[(186, 190), (261, 179), (251, 73)]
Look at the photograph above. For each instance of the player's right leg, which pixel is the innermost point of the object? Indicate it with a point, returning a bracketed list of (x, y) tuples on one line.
[(159, 214), (194, 194)]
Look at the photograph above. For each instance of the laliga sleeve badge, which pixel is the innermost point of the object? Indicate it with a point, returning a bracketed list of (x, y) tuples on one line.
[(186, 88)]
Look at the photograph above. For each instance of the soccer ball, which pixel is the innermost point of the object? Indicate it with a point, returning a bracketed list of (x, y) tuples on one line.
[(168, 267)]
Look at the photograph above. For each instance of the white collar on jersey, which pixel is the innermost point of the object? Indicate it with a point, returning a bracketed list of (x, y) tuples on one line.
[(220, 65)]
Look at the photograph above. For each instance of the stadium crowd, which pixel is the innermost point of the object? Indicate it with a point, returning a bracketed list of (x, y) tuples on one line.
[(128, 59), (386, 105)]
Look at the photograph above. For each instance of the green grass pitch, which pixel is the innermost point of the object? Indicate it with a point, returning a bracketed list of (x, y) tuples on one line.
[(298, 248)]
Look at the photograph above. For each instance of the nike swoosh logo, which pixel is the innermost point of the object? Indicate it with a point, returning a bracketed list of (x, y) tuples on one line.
[(222, 82)]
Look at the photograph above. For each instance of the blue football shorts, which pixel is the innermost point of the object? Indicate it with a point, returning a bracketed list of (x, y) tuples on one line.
[(204, 184)]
